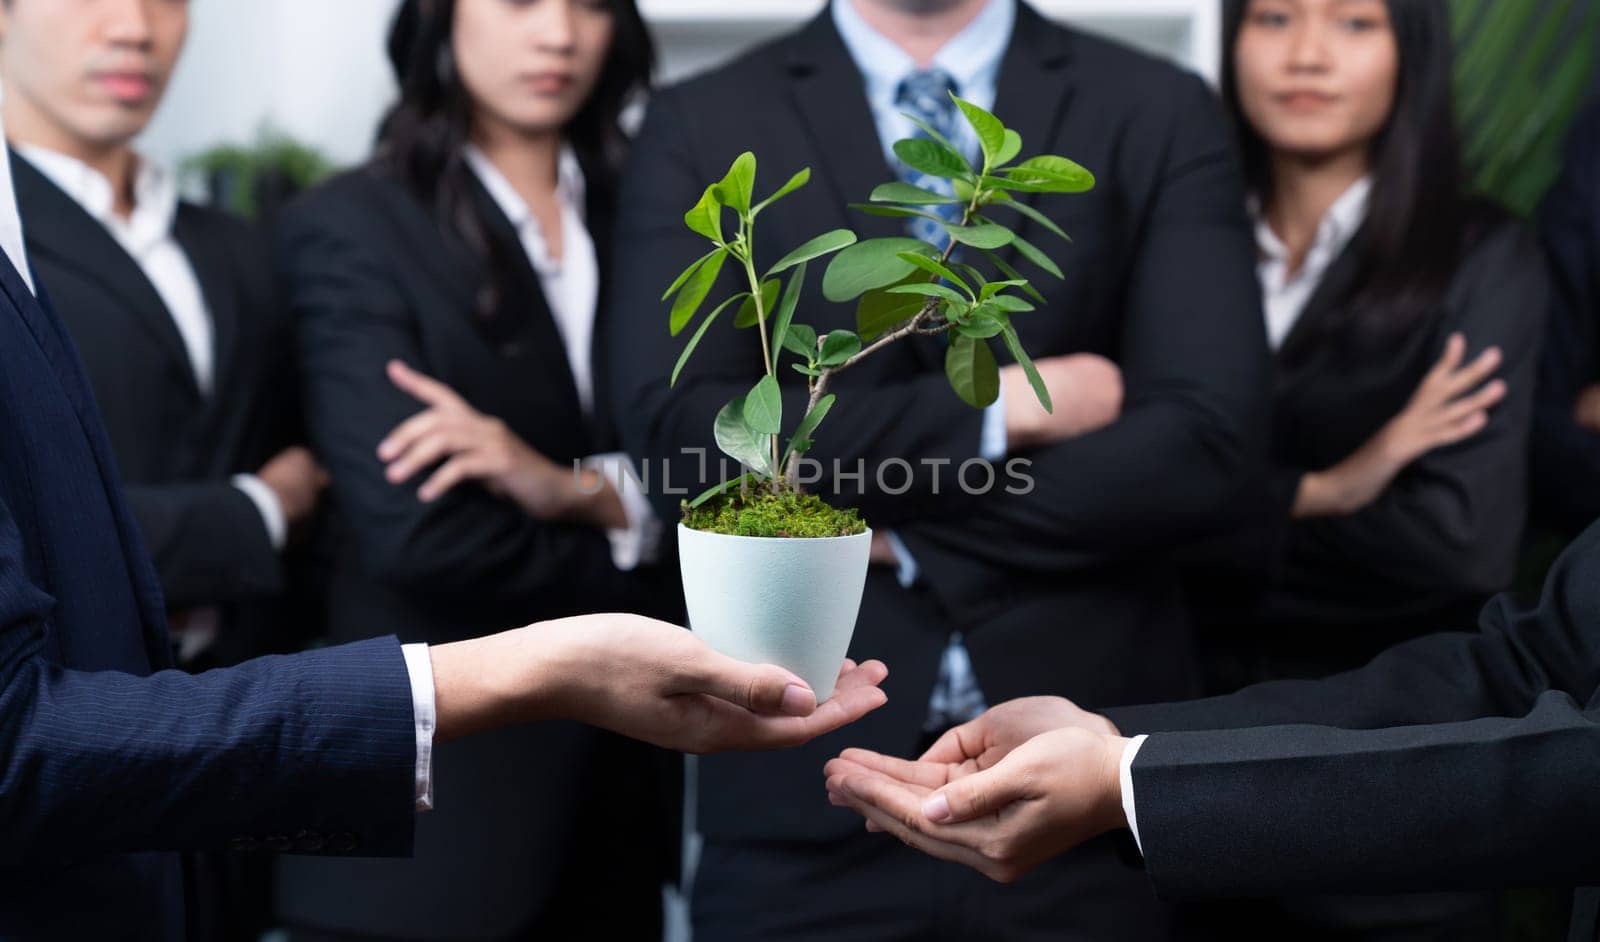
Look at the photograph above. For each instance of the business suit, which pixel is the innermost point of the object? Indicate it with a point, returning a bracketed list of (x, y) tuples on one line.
[(110, 760), (1279, 596), (1566, 456), (1454, 761), (1159, 279), (177, 446), (517, 843)]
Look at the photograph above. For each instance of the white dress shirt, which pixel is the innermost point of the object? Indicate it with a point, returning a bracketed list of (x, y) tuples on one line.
[(571, 286), (1284, 296)]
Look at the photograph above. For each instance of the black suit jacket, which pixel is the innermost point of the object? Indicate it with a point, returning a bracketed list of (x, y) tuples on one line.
[(1159, 278), (1566, 456), (374, 277), (176, 446), (1326, 594), (1454, 761)]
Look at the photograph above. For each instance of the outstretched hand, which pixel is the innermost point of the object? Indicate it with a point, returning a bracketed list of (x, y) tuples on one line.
[(1026, 781)]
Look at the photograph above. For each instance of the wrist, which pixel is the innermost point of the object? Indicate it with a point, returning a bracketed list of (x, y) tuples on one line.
[(504, 679), (1112, 814)]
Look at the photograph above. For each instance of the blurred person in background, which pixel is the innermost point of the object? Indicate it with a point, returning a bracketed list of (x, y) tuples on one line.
[(188, 351), (446, 296), (1405, 317)]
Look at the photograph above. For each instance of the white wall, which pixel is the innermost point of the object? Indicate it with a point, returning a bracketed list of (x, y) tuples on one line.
[(316, 69)]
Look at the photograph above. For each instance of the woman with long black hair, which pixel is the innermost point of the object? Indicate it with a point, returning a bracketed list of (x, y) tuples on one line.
[(446, 297), (1405, 317)]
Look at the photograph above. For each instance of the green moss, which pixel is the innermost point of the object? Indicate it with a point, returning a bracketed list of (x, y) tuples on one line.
[(763, 513)]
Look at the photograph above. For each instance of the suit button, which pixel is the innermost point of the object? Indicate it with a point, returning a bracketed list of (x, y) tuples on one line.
[(342, 843), (244, 844), (278, 843), (308, 842)]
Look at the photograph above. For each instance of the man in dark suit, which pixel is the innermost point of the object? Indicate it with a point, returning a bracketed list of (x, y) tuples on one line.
[(173, 309), (1455, 761), (1566, 432), (1063, 589)]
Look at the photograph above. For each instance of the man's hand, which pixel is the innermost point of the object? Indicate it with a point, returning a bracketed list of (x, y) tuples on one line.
[(642, 678), (297, 480), (1043, 798), (1085, 392)]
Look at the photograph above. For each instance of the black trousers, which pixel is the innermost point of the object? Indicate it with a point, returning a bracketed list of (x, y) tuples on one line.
[(872, 888)]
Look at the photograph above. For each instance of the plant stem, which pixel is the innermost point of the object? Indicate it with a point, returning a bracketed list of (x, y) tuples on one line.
[(747, 225)]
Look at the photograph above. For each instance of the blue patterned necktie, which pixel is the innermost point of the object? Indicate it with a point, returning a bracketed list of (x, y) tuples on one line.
[(925, 93)]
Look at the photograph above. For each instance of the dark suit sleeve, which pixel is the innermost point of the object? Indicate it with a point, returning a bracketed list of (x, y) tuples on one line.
[(911, 420), (1453, 519), (98, 762), (208, 542), (1566, 456), (351, 322), (1194, 358), (1452, 761)]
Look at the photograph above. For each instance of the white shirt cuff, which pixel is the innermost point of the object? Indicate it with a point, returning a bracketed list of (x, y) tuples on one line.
[(906, 568), (1128, 752), (266, 501), (420, 666), (640, 541), (992, 443)]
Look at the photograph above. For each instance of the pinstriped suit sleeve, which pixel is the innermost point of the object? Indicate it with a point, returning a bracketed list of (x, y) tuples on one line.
[(316, 749)]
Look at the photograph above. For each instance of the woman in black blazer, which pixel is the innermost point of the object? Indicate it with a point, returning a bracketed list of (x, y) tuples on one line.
[(1405, 317), (445, 296)]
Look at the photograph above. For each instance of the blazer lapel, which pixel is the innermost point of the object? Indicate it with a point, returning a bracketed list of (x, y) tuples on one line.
[(214, 270), (58, 227), (1326, 302), (1033, 93)]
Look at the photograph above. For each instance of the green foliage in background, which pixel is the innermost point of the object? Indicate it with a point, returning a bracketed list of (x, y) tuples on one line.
[(1523, 69), (234, 174)]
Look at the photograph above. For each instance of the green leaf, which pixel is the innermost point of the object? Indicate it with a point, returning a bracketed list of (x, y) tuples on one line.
[(932, 267), (801, 340), (737, 186), (1052, 174), (1011, 147), (985, 235), (837, 347), (802, 368), (791, 299), (1010, 272), (1011, 304), (1036, 216), (867, 265), (706, 216), (689, 272), (815, 248), (1031, 253), (927, 156), (995, 287), (1014, 344), (763, 406), (694, 341), (694, 292), (722, 488), (928, 290), (880, 311), (795, 182), (980, 327), (909, 194), (970, 366), (933, 132), (808, 425), (748, 316), (899, 212), (991, 133), (741, 442)]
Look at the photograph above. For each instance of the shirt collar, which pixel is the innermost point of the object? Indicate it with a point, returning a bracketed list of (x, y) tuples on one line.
[(571, 186), (155, 192), (1334, 231), (972, 57)]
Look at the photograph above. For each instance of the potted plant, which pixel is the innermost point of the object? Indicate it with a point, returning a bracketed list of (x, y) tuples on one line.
[(771, 573)]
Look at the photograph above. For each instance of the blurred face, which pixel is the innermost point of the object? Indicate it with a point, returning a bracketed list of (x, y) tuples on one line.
[(1317, 77), (529, 65), (93, 70)]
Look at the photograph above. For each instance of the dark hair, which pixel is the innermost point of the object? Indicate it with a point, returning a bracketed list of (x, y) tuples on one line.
[(421, 140), (1418, 217)]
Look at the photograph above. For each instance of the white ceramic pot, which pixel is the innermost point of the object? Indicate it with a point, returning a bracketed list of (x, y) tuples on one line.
[(776, 600)]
